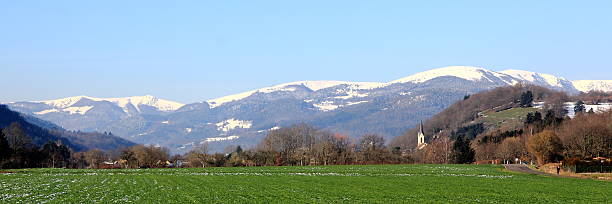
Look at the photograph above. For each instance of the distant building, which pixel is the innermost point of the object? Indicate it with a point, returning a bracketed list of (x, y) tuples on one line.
[(421, 137), (110, 165)]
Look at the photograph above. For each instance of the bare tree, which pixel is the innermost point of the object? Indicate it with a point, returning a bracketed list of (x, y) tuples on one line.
[(17, 138), (511, 148), (94, 157), (546, 146), (587, 135), (371, 148)]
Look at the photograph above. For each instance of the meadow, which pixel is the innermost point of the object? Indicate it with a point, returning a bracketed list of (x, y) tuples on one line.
[(311, 184)]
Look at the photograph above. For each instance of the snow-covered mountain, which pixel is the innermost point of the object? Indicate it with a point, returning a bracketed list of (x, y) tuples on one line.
[(546, 80), (351, 108), (125, 103), (464, 72), (311, 85), (98, 114), (593, 85)]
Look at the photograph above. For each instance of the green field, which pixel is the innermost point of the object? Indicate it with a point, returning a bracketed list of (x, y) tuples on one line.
[(511, 118), (350, 184)]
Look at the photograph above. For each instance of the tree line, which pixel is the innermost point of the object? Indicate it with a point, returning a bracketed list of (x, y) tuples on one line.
[(18, 151), (301, 145)]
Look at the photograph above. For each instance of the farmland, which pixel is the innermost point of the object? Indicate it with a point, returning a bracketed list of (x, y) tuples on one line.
[(370, 183)]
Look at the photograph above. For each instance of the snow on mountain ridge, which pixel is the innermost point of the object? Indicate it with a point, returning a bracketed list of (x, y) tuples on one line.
[(593, 85), (160, 104), (464, 72), (510, 77), (312, 85), (535, 77)]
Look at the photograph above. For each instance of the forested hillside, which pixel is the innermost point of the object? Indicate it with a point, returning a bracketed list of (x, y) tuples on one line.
[(463, 112), (40, 132), (528, 123)]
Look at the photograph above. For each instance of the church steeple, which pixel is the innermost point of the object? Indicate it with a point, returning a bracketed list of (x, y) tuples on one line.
[(421, 127), (421, 137)]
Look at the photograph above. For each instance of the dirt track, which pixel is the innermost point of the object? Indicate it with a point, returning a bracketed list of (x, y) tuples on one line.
[(525, 169)]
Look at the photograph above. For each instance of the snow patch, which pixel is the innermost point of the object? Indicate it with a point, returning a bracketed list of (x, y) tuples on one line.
[(217, 139), (226, 99), (326, 106), (232, 123), (355, 103), (46, 111), (271, 129), (352, 94), (166, 122), (78, 110), (602, 107)]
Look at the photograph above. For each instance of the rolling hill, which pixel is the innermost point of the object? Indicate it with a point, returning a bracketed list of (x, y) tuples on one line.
[(41, 131)]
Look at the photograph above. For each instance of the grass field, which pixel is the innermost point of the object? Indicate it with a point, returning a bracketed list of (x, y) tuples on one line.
[(361, 184), (511, 118)]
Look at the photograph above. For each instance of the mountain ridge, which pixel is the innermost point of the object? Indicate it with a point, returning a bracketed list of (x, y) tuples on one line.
[(465, 72), (315, 85), (351, 108), (123, 102)]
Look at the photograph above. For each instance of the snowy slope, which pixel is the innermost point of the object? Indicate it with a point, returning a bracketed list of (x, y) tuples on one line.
[(538, 78), (593, 85), (475, 74), (136, 101), (312, 85), (464, 72)]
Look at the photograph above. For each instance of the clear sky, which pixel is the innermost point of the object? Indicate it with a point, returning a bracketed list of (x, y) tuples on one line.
[(196, 50)]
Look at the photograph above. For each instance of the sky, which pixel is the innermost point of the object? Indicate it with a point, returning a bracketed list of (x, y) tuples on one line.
[(191, 51)]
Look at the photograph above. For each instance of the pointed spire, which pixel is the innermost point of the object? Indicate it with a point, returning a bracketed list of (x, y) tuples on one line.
[(421, 127)]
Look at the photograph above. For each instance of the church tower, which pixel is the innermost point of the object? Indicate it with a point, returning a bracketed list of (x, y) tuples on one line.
[(421, 137)]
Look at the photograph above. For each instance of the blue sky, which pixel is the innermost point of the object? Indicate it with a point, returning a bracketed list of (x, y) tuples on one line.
[(196, 50)]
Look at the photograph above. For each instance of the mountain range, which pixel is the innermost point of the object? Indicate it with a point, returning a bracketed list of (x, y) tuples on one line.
[(351, 108)]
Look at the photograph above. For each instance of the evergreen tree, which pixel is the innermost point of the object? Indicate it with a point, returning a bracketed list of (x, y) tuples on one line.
[(551, 119), (526, 99), (533, 118), (530, 118), (64, 154), (462, 152), (5, 149), (238, 149), (537, 117), (579, 107)]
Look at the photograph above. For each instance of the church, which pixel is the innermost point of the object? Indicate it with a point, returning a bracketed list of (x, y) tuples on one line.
[(421, 138)]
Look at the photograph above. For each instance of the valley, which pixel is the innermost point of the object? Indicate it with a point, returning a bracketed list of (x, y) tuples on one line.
[(351, 108)]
